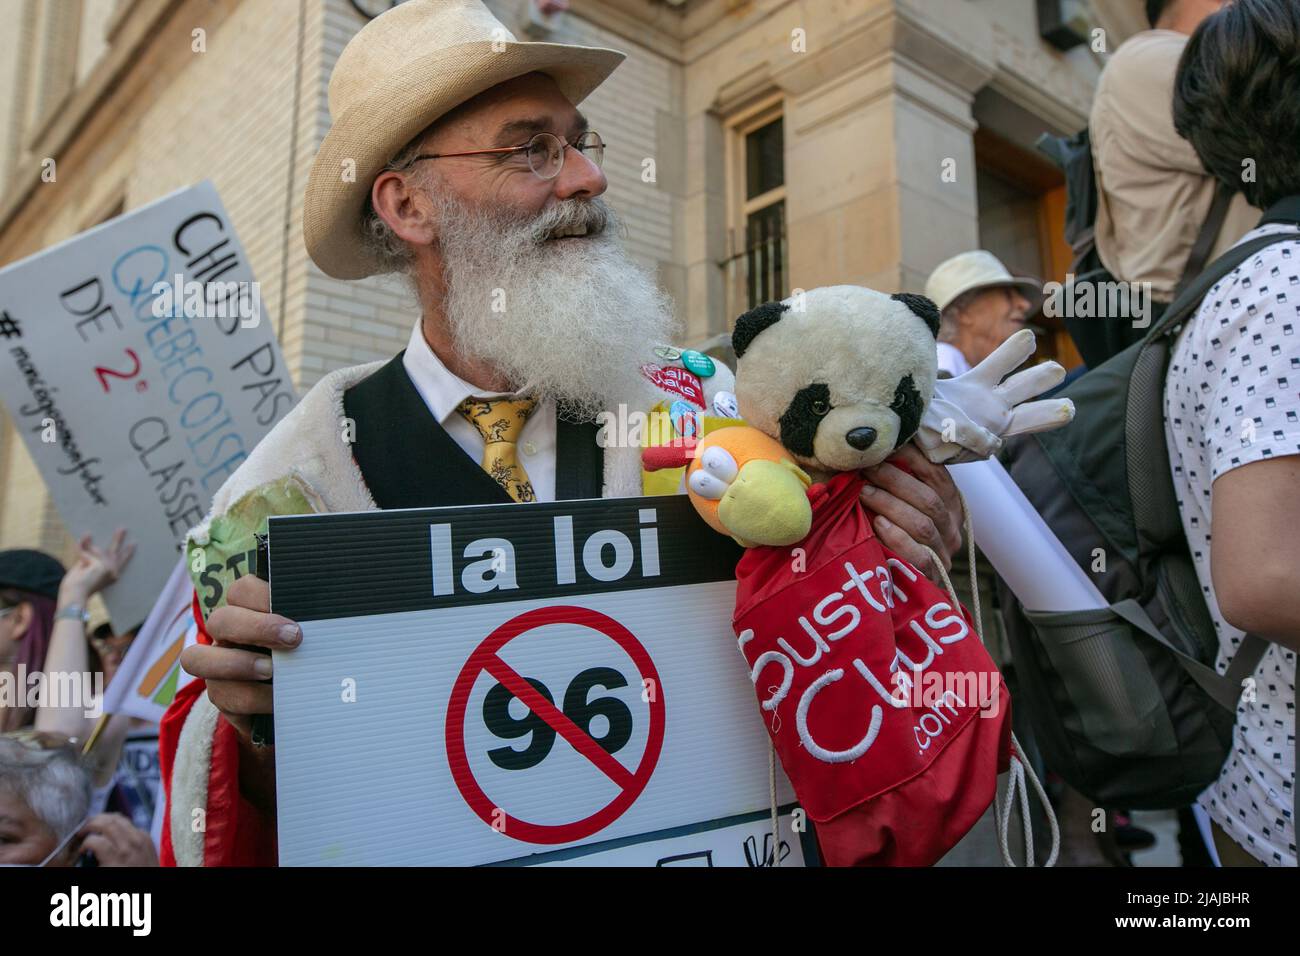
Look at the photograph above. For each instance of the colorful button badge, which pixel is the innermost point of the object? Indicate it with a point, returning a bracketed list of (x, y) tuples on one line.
[(699, 363), (685, 421)]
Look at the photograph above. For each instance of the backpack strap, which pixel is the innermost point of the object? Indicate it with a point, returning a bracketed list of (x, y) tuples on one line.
[(1207, 237), (1286, 210), (1225, 689), (1155, 506), (1187, 301), (1150, 484)]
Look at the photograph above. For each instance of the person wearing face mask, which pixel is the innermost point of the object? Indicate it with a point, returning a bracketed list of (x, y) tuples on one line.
[(981, 304)]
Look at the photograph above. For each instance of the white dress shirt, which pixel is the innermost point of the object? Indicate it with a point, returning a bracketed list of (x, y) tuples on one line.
[(951, 360), (442, 391)]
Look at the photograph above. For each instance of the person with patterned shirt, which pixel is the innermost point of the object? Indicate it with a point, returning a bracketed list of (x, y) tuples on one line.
[(1231, 410)]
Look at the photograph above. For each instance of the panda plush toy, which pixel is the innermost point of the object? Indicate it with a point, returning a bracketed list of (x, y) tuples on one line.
[(842, 382), (836, 379), (887, 713)]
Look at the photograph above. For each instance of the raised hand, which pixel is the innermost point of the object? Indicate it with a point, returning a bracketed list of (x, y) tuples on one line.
[(971, 414), (95, 568)]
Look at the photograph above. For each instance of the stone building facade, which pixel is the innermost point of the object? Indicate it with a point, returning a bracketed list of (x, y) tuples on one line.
[(756, 147)]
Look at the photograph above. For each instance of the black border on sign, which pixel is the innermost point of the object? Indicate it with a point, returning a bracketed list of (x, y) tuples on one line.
[(807, 840), (380, 562)]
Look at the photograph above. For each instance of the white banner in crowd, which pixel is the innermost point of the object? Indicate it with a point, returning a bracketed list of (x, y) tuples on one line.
[(540, 684), (151, 672), (137, 364)]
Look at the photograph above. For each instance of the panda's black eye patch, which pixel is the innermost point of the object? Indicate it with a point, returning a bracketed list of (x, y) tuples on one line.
[(801, 418), (907, 405)]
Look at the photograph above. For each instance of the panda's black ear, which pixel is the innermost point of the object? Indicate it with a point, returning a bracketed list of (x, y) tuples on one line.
[(749, 325), (923, 307)]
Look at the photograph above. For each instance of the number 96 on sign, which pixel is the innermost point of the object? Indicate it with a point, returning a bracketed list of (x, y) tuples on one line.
[(523, 757)]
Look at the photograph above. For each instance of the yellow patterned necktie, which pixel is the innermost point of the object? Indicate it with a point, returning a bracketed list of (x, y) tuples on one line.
[(501, 421)]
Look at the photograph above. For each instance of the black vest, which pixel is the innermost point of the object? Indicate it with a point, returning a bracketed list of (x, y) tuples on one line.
[(408, 460)]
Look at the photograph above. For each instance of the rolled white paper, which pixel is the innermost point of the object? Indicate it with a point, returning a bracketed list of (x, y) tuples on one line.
[(1019, 544)]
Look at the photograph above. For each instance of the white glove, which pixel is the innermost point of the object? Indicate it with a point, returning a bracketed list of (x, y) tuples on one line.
[(971, 414)]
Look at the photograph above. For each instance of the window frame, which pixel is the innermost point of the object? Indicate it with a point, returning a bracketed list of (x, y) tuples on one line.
[(737, 128)]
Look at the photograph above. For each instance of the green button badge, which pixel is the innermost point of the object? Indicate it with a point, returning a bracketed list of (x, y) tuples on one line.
[(699, 363)]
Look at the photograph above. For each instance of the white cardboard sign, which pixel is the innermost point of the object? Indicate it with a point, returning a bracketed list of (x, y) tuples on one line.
[(140, 369), (518, 684)]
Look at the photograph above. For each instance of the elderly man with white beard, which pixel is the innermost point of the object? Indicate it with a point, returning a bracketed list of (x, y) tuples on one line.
[(458, 158)]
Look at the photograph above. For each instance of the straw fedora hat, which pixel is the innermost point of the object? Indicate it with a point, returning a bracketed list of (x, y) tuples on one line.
[(403, 70)]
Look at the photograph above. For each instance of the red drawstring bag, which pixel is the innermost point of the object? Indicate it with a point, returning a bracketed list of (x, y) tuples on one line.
[(887, 713)]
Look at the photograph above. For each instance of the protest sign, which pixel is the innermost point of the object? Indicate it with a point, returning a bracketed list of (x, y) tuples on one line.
[(151, 672), (140, 370), (518, 684)]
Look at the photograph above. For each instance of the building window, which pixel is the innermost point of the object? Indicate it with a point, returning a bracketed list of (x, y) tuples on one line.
[(765, 159), (757, 263)]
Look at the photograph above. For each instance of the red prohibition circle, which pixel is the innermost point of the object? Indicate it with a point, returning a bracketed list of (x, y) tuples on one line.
[(486, 654)]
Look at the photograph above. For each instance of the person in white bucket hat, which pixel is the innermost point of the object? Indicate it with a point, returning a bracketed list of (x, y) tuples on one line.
[(457, 157), (981, 304)]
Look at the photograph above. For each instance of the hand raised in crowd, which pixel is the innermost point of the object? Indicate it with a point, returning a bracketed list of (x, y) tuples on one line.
[(915, 511), (236, 673), (95, 568), (116, 841)]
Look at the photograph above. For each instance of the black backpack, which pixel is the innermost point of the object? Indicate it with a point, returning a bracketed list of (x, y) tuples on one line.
[(1125, 702), (1101, 336)]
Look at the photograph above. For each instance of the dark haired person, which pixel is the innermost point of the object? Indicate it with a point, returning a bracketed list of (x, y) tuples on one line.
[(43, 626), (1153, 194), (1231, 408), (29, 584)]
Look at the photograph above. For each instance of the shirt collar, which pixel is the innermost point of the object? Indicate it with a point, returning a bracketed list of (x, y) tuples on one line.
[(441, 389)]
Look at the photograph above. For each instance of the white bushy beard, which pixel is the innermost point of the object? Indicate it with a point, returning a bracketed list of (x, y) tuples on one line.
[(574, 319)]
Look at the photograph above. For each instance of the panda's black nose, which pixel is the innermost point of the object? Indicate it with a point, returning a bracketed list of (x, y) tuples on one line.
[(861, 438)]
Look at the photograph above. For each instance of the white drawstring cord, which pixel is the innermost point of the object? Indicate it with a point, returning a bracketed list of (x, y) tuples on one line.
[(776, 819), (1019, 769)]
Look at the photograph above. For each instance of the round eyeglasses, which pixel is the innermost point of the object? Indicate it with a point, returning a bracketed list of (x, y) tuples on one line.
[(544, 152)]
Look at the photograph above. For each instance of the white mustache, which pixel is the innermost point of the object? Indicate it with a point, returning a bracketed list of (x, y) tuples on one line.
[(591, 214)]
